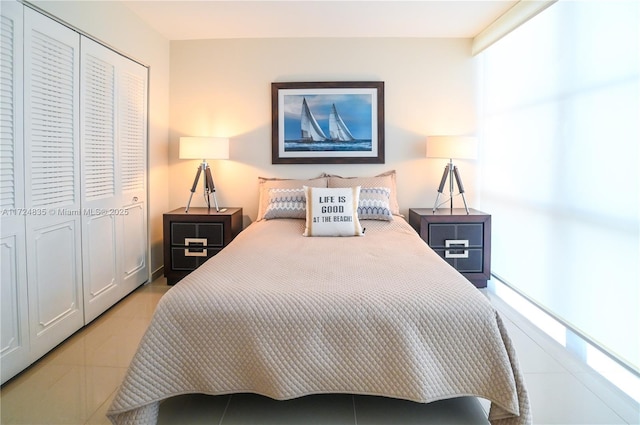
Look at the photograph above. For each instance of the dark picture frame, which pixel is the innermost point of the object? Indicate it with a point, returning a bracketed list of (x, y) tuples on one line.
[(327, 122)]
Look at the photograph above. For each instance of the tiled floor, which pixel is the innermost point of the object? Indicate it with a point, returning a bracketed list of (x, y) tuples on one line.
[(75, 383)]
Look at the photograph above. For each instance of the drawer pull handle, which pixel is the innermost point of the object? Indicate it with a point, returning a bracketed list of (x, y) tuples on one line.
[(202, 252), (456, 244)]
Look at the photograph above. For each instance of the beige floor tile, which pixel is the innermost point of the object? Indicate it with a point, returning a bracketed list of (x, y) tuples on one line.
[(144, 304), (624, 406), (531, 356), (559, 398), (58, 394), (99, 417)]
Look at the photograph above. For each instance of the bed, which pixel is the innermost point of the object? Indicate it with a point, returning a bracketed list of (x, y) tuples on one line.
[(283, 315)]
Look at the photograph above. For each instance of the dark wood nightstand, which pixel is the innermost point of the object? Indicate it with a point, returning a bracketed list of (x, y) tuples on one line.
[(463, 240), (192, 238)]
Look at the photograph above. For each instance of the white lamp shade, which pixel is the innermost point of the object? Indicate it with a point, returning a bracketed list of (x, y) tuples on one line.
[(459, 147), (204, 148)]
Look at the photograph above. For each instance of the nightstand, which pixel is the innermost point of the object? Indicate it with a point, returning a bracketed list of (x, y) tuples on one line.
[(463, 240), (192, 238)]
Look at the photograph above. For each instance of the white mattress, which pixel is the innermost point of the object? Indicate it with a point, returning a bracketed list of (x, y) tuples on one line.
[(282, 315)]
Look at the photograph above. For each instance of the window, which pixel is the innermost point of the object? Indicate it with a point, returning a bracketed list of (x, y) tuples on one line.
[(559, 167)]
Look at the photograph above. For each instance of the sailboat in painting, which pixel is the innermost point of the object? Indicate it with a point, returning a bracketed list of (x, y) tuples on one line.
[(309, 127), (337, 128), (310, 130)]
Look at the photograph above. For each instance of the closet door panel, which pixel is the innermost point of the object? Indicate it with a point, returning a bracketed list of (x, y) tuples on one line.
[(100, 277), (14, 332), (14, 337), (52, 180), (11, 151), (57, 296), (101, 188), (134, 262), (11, 337), (51, 116), (132, 132)]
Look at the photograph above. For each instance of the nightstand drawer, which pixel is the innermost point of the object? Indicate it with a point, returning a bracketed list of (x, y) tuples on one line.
[(464, 260), (190, 258), (443, 235), (205, 234)]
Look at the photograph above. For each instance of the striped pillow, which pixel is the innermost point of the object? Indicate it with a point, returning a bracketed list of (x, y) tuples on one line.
[(374, 204), (286, 203)]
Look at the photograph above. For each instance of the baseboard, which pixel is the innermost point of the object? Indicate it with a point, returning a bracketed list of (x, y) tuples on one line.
[(159, 272)]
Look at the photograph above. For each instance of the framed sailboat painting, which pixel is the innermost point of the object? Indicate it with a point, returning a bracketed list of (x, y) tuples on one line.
[(328, 123)]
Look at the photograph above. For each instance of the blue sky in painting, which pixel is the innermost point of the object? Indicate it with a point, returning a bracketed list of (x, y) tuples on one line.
[(355, 110)]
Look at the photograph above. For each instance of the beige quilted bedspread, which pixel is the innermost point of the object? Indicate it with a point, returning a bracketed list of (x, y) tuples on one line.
[(282, 315)]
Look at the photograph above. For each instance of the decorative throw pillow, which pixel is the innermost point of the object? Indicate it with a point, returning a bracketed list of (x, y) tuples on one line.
[(332, 212), (374, 204), (286, 203), (387, 179), (264, 184)]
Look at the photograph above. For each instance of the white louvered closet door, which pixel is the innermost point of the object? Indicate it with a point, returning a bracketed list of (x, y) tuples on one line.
[(132, 150), (113, 134), (100, 196), (52, 181), (14, 335)]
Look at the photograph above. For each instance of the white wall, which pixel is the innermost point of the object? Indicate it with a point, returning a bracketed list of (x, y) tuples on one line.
[(116, 26), (223, 88)]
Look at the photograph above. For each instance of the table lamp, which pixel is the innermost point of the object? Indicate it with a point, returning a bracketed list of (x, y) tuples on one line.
[(451, 147), (204, 148)]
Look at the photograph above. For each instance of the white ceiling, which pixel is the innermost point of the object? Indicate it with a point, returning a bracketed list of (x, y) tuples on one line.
[(207, 19)]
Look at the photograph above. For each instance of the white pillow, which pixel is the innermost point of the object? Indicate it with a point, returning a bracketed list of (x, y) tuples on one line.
[(332, 211)]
